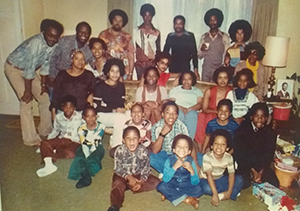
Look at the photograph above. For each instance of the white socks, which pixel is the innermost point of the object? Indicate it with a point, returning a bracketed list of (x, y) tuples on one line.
[(48, 169)]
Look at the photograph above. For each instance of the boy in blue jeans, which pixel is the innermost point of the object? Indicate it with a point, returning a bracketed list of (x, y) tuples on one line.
[(180, 180), (215, 162), (223, 121)]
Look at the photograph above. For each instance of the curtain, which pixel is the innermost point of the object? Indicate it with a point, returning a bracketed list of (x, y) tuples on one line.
[(264, 19)]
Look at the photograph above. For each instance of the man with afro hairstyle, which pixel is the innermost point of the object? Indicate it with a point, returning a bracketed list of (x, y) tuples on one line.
[(213, 44), (119, 43)]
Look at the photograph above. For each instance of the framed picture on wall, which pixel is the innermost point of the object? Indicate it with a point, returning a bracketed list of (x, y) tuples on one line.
[(284, 88)]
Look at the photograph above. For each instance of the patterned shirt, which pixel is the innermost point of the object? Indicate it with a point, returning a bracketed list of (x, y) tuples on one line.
[(149, 42), (178, 128), (128, 163), (61, 58), (217, 168), (119, 47), (144, 128), (32, 54), (66, 128), (90, 137)]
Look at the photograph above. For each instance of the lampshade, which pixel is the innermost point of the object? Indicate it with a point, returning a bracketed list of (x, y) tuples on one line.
[(276, 51)]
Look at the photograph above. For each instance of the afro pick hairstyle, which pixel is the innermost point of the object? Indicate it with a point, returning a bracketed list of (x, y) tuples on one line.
[(69, 99), (162, 55), (147, 8), (260, 50), (118, 12), (240, 24), (214, 12)]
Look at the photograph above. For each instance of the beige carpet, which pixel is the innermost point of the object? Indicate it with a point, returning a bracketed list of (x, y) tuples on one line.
[(23, 190)]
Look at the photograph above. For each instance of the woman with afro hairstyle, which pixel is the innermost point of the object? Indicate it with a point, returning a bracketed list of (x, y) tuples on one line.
[(254, 53), (240, 32)]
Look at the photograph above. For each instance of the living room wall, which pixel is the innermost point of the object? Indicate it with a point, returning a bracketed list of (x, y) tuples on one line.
[(95, 13), (288, 26)]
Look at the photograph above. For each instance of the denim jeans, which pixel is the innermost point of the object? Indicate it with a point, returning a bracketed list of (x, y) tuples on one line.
[(176, 191), (190, 120), (222, 185)]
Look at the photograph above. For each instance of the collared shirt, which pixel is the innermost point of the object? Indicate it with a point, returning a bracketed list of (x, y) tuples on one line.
[(178, 128), (32, 54), (128, 163), (183, 49), (61, 58), (118, 47), (66, 128)]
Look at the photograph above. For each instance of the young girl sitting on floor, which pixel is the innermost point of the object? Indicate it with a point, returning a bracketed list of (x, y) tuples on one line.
[(241, 98), (180, 178), (215, 162), (87, 161)]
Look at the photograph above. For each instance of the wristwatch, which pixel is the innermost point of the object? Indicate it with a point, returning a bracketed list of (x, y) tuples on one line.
[(160, 134)]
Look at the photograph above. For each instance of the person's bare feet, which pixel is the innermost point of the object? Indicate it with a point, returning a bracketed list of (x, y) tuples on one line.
[(192, 201), (163, 198)]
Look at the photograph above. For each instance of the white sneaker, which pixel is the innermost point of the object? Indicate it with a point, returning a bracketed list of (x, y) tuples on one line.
[(38, 150), (221, 196)]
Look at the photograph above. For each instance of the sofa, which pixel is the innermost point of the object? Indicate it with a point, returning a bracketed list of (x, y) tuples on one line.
[(131, 87)]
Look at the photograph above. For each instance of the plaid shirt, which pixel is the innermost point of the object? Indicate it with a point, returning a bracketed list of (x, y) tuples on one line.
[(178, 128), (66, 128), (61, 58), (128, 163)]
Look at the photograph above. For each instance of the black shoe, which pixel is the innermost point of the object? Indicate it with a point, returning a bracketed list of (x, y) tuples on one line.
[(84, 182), (113, 208)]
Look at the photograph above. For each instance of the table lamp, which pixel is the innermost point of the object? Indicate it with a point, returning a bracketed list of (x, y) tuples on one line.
[(276, 56)]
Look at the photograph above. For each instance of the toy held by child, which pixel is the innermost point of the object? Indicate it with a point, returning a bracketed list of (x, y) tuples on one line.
[(180, 177), (215, 162), (87, 161), (132, 169)]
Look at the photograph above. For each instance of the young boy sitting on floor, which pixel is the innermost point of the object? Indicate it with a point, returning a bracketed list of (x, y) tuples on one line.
[(180, 174), (254, 147), (63, 141), (215, 162), (87, 161), (223, 121), (132, 169)]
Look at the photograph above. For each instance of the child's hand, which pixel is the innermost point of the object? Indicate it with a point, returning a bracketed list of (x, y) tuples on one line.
[(166, 129), (137, 185), (131, 180), (256, 175), (178, 164), (227, 195), (215, 200), (188, 167)]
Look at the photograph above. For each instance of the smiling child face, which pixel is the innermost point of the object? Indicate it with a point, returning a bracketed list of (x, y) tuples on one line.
[(131, 140)]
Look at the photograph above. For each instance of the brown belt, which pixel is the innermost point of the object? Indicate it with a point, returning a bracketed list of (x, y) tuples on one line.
[(11, 64)]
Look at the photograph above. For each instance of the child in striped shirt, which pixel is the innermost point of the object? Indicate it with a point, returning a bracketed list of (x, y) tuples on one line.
[(216, 183)]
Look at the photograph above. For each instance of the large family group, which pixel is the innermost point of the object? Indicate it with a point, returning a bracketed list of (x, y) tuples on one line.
[(214, 143)]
